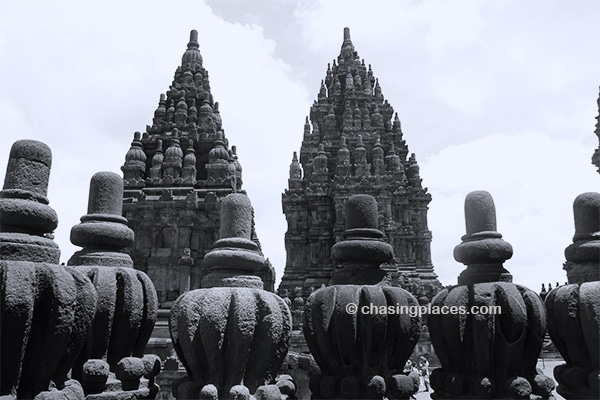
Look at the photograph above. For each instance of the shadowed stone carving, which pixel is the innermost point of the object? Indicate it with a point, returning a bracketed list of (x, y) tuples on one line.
[(127, 302), (231, 336), (46, 309), (574, 309), (364, 248), (361, 355), (353, 143), (487, 355)]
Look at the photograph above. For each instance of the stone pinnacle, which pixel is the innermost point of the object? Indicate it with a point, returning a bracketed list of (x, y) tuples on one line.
[(103, 230), (482, 248), (583, 255), (26, 219)]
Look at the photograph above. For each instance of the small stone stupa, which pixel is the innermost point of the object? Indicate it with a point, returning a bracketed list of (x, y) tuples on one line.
[(232, 336), (486, 354)]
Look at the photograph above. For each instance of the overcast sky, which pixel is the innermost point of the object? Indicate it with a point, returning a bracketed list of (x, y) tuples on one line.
[(495, 95)]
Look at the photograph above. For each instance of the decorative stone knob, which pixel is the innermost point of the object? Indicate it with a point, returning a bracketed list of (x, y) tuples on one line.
[(232, 333), (364, 248), (486, 353), (26, 220), (127, 306), (574, 309), (46, 309), (482, 248)]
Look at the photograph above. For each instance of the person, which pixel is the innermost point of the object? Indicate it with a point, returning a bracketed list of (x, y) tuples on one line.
[(424, 367), (407, 367)]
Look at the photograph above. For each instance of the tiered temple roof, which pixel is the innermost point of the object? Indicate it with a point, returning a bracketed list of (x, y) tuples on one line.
[(353, 144), (175, 176), (185, 145)]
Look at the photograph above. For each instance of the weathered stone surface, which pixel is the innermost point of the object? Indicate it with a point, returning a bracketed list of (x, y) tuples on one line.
[(574, 309), (230, 336), (127, 301), (24, 205), (357, 332), (344, 343), (95, 374), (489, 355), (175, 176), (231, 333), (482, 245), (353, 144), (268, 392), (235, 259), (72, 390), (46, 309), (363, 249)]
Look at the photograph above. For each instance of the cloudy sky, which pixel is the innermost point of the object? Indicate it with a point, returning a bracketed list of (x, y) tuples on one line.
[(495, 95)]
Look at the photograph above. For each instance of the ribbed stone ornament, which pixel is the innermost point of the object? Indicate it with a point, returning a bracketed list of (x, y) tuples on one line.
[(46, 309), (230, 334), (359, 345), (127, 301), (574, 309), (494, 354)]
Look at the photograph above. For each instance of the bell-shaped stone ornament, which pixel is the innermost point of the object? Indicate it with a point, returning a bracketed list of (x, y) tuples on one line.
[(46, 309)]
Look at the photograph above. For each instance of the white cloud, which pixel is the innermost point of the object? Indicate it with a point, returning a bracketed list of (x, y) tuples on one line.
[(83, 77), (533, 179)]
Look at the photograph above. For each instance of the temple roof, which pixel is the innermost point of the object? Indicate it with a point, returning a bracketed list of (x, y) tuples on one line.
[(186, 121), (351, 112)]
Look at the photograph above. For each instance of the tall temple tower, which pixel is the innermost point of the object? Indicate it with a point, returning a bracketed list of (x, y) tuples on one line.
[(353, 144), (175, 175)]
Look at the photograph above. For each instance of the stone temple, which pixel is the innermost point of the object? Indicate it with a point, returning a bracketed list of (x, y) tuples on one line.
[(80, 331), (175, 175), (353, 144)]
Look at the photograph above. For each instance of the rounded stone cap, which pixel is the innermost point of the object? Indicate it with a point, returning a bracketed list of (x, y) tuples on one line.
[(586, 210), (480, 213), (29, 168), (23, 202), (361, 212), (104, 226), (236, 216), (586, 241), (130, 368), (106, 194), (482, 244)]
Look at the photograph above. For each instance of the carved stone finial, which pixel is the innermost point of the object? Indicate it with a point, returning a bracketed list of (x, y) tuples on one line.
[(123, 322), (574, 308), (295, 169), (235, 259), (483, 355), (482, 248), (103, 232), (46, 309), (363, 249), (193, 43), (583, 255), (25, 216)]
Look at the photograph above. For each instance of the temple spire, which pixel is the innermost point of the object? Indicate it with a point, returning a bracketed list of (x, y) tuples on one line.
[(193, 43)]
